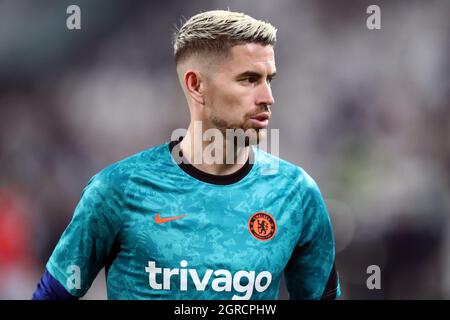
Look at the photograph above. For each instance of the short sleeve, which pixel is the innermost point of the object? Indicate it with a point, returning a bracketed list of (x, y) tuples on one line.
[(87, 242), (310, 272)]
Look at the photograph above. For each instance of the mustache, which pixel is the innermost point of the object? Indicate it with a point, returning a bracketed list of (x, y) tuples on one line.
[(259, 111)]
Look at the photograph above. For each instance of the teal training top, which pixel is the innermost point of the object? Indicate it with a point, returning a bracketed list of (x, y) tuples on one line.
[(164, 230)]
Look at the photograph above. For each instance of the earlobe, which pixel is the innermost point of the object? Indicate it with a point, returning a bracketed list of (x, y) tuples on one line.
[(194, 86)]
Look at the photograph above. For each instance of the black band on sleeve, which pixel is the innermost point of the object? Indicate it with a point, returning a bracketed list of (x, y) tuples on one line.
[(331, 289)]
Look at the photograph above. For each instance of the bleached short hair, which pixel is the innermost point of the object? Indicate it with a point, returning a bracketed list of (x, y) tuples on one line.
[(217, 31)]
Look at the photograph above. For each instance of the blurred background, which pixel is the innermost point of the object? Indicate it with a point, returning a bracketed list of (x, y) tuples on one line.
[(365, 112)]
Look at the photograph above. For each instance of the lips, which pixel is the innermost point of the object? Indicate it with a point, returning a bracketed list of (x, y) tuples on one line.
[(261, 120), (261, 117)]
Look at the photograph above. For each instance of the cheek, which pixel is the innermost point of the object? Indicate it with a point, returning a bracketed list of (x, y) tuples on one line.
[(235, 103), (230, 102)]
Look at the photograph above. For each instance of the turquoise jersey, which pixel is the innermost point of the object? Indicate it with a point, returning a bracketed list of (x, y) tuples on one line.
[(164, 230)]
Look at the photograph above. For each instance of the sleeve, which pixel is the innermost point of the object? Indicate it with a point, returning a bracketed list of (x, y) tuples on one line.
[(311, 273), (88, 240)]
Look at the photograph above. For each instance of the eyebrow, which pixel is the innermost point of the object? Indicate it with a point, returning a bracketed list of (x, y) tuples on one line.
[(255, 74)]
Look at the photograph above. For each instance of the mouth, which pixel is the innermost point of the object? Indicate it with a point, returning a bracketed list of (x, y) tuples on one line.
[(261, 120)]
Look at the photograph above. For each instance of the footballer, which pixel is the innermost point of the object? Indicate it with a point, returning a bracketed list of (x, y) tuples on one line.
[(169, 229)]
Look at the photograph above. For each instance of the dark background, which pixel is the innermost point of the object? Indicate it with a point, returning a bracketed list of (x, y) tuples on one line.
[(365, 112)]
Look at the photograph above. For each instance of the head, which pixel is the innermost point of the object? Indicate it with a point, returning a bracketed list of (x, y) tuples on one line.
[(225, 64)]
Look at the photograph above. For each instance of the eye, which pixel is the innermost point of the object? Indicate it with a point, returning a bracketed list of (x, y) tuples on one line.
[(250, 79)]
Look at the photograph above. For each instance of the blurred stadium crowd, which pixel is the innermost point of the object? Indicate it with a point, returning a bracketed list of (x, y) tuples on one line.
[(365, 112)]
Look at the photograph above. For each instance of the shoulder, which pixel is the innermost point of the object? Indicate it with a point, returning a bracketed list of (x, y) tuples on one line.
[(115, 176), (272, 165)]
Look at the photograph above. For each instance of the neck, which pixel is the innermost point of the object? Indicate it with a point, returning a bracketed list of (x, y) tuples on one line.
[(213, 158)]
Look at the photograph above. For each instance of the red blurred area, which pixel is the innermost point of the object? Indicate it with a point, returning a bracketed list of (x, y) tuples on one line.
[(15, 228)]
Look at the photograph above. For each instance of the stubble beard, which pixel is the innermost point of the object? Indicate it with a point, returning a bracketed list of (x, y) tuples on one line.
[(251, 136)]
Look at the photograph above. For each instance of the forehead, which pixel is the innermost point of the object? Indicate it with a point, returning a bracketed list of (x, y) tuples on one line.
[(250, 56)]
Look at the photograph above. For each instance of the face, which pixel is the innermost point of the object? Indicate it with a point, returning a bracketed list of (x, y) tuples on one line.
[(238, 95)]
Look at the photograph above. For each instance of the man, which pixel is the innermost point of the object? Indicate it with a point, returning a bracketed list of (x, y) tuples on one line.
[(169, 223)]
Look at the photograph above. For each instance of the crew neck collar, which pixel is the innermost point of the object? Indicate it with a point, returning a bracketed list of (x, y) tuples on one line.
[(212, 178)]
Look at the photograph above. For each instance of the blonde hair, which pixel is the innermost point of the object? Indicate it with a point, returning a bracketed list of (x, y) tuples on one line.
[(217, 31)]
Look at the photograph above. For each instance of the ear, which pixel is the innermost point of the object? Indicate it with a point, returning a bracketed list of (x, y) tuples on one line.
[(195, 85)]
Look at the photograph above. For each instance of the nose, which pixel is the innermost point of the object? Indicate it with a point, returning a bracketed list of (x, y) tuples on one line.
[(265, 96)]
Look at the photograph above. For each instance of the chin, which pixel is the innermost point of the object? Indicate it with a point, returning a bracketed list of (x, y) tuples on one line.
[(245, 136)]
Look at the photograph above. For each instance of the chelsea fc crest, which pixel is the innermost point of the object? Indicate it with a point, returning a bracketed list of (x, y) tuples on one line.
[(262, 226)]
